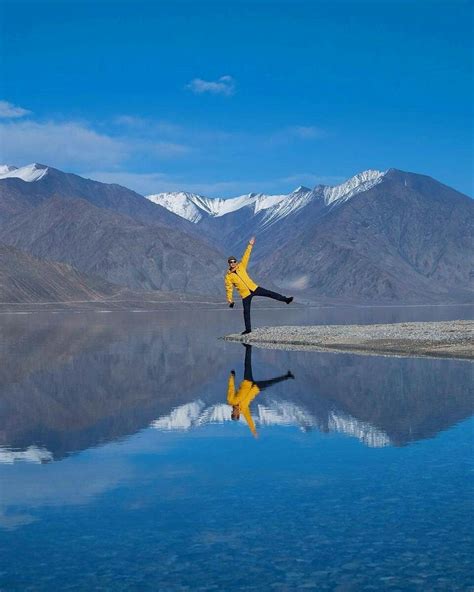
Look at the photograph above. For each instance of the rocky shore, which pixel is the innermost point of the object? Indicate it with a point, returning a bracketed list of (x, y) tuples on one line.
[(450, 339)]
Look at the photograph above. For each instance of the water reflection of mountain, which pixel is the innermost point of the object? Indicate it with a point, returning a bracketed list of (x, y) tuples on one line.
[(408, 399), (273, 413), (73, 384), (379, 400), (70, 385)]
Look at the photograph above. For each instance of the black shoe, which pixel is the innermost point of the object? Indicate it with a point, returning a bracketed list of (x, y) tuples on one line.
[(289, 299), (246, 332)]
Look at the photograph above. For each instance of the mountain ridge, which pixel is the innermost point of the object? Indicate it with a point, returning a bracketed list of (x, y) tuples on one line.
[(193, 206), (388, 236)]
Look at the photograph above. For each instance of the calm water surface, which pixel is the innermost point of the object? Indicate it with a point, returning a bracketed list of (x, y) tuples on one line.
[(121, 468)]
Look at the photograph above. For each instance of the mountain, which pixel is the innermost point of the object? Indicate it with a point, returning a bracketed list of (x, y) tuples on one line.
[(26, 279), (386, 237), (119, 249), (380, 236), (195, 208), (105, 230), (265, 210), (406, 239), (79, 383), (30, 185)]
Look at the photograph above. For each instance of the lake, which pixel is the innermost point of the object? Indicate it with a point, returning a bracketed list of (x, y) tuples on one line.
[(124, 465)]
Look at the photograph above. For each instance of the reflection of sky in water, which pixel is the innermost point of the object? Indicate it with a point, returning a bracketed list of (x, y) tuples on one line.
[(359, 477)]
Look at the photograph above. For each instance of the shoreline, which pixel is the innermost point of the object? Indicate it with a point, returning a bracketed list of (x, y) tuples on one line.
[(439, 339)]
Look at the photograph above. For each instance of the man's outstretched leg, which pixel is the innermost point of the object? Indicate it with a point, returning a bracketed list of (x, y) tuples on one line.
[(269, 294), (263, 384), (246, 303)]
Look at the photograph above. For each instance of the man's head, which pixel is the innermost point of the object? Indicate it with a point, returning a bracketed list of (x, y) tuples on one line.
[(232, 261), (235, 416)]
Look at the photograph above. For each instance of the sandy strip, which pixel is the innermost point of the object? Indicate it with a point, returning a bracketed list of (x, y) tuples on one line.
[(445, 339)]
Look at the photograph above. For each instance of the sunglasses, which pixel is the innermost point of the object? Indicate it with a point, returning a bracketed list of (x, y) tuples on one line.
[(233, 261)]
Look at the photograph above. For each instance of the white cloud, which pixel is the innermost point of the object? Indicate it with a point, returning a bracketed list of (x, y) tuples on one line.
[(10, 111), (225, 85), (142, 125), (59, 144), (76, 145)]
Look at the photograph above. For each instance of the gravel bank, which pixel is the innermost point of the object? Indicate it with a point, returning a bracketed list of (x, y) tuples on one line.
[(451, 339)]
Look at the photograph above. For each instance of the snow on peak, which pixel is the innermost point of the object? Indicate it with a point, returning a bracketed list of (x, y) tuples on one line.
[(360, 182), (7, 168), (29, 173), (195, 207), (180, 203), (289, 205)]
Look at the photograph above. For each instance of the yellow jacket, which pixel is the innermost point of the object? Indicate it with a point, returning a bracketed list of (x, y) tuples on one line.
[(239, 278), (247, 392)]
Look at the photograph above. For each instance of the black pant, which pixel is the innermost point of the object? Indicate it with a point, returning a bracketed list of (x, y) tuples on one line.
[(262, 384), (259, 291)]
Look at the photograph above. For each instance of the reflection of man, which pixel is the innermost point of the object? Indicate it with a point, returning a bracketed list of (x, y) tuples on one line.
[(248, 390)]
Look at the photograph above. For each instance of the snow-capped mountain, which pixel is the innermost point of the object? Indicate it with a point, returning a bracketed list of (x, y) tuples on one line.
[(195, 208), (274, 413), (29, 173), (66, 218), (388, 236)]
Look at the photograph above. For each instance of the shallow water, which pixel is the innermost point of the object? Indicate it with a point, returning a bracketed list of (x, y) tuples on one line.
[(121, 469)]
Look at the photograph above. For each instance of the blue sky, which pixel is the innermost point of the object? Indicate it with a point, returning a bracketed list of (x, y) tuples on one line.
[(229, 97)]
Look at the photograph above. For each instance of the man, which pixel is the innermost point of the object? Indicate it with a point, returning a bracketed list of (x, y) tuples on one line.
[(237, 277), (248, 389)]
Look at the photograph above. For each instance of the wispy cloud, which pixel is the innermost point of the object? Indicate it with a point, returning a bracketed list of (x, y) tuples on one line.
[(79, 145), (225, 85), (180, 157), (148, 126), (59, 144), (10, 111)]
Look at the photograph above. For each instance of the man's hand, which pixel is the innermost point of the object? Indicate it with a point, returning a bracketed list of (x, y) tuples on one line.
[(231, 304), (252, 240)]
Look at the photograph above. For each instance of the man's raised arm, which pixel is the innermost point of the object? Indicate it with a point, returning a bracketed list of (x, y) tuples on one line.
[(246, 256)]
